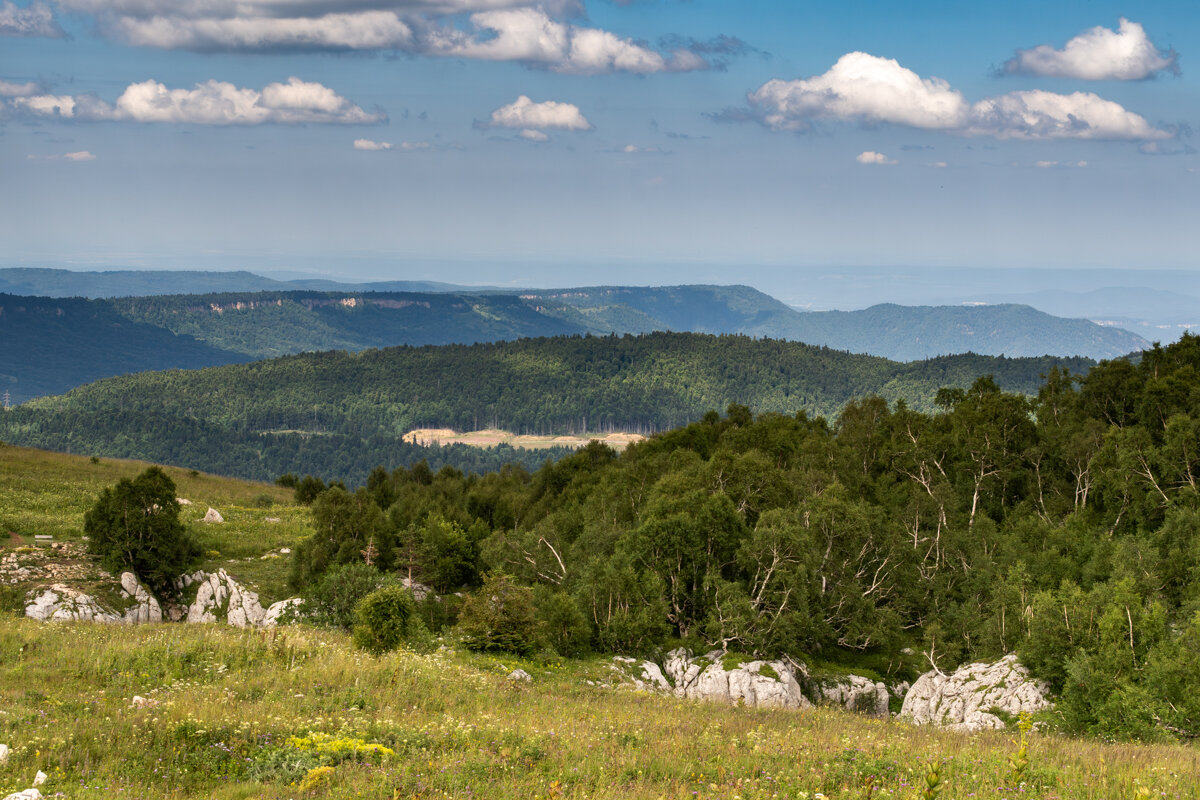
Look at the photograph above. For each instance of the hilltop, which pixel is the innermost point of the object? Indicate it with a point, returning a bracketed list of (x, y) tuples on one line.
[(340, 414)]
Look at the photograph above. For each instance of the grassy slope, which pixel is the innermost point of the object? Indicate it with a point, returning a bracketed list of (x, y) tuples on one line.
[(48, 493), (228, 701)]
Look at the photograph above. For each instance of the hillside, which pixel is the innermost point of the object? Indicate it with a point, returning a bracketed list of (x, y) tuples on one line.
[(52, 345), (340, 414)]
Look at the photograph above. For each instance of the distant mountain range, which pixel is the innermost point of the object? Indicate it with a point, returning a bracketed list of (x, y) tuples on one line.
[(50, 345)]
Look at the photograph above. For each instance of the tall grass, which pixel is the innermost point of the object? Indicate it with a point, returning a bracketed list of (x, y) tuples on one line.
[(237, 714)]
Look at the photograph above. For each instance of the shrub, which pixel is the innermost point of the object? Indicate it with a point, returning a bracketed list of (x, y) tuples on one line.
[(331, 601), (135, 526), (386, 619), (500, 616), (565, 627)]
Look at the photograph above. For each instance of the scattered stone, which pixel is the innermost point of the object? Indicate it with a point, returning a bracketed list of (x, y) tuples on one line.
[(28, 794), (753, 683), (285, 550), (145, 607), (271, 520), (213, 516), (61, 602), (40, 778), (3, 754), (183, 501), (143, 702), (520, 675), (966, 699)]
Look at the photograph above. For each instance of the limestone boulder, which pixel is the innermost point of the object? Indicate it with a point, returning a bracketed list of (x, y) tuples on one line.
[(752, 683), (144, 607), (283, 612), (220, 596), (213, 516), (61, 602), (966, 699)]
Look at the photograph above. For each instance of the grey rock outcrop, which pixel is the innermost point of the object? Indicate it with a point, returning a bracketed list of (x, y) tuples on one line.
[(520, 675), (965, 699), (3, 754), (856, 693), (752, 683), (220, 595), (144, 607), (61, 602), (213, 516)]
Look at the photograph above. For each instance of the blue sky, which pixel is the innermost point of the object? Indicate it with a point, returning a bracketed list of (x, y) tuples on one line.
[(580, 141)]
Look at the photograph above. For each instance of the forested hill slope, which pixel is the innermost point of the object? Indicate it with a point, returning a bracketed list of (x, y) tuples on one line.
[(340, 414), (48, 346)]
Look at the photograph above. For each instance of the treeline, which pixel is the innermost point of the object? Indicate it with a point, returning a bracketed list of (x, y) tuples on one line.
[(337, 414), (1064, 526)]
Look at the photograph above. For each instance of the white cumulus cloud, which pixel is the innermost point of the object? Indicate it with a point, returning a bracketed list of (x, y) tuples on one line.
[(209, 103), (861, 87), (531, 36), (1126, 54), (871, 157), (532, 32), (534, 136), (873, 90), (1046, 115), (524, 113), (35, 19)]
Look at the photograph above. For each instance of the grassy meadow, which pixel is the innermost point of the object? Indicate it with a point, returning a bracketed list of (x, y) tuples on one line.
[(297, 712), (49, 493)]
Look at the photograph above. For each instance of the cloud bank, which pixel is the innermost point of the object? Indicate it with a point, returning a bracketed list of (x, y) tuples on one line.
[(871, 157), (35, 19), (209, 103), (868, 89), (1099, 54), (524, 31)]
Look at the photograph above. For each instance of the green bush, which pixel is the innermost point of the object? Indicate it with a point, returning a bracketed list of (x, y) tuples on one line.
[(332, 600), (135, 526), (386, 619), (565, 627), (500, 617)]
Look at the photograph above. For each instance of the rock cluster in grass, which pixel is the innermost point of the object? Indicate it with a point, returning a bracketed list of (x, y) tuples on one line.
[(751, 683), (61, 602), (213, 516), (218, 598), (975, 696)]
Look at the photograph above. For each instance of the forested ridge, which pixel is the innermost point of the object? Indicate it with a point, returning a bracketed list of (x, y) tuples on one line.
[(1064, 526), (338, 414)]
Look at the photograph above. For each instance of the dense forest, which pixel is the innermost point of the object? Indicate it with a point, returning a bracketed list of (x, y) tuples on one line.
[(1062, 526), (338, 414)]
